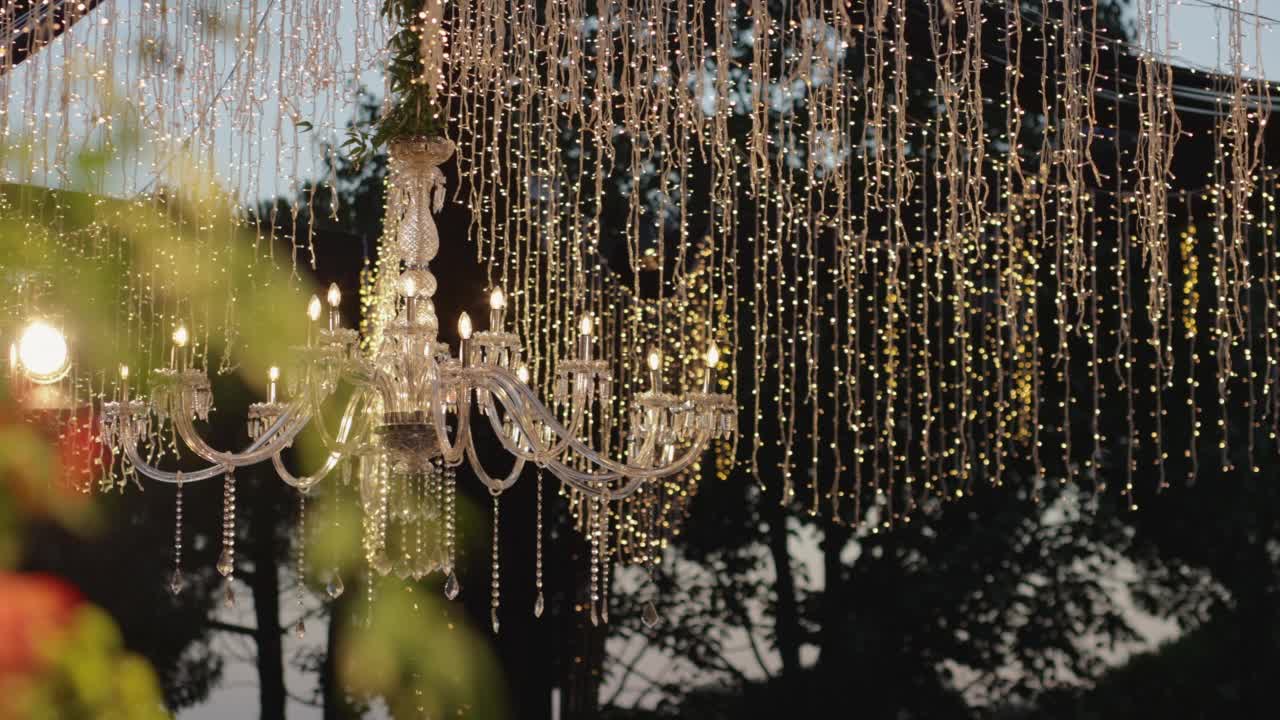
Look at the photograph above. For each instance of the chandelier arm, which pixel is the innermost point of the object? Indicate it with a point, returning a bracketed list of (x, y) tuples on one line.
[(522, 406), (613, 470), (339, 444), (536, 454), (583, 481), (453, 453), (317, 417), (275, 442), (587, 483), (154, 473), (306, 482), (336, 451), (495, 486), (511, 387)]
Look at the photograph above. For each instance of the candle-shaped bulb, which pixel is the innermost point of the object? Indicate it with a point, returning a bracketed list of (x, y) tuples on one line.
[(522, 373), (313, 308), (654, 360), (180, 336), (713, 356), (585, 325), (464, 326), (124, 372), (273, 373), (497, 308), (334, 296)]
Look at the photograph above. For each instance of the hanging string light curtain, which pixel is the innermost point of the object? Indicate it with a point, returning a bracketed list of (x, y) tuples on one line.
[(948, 238)]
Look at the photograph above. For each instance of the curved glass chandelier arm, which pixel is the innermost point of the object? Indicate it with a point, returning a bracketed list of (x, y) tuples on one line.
[(506, 386), (150, 471), (305, 482), (453, 453), (499, 379), (495, 486), (273, 442), (154, 473), (589, 482), (516, 408), (336, 452), (317, 417), (593, 484)]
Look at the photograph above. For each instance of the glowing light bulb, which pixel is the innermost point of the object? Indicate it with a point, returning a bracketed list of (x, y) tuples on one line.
[(181, 337), (585, 325), (522, 373), (124, 372), (273, 374), (497, 300), (313, 308), (713, 356), (334, 296), (464, 326), (654, 360), (42, 351)]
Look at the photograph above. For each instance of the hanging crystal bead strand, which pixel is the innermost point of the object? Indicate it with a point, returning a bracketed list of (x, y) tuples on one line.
[(176, 581), (227, 559), (604, 559), (300, 629), (538, 603), (334, 588), (593, 532), (496, 589), (649, 615), (451, 585)]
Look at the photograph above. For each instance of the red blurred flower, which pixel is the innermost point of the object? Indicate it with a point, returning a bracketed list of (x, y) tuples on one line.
[(34, 609)]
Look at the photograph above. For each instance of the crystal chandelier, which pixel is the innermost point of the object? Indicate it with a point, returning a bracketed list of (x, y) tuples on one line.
[(409, 421)]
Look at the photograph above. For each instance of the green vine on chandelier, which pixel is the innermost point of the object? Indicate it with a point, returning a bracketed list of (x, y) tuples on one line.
[(413, 113)]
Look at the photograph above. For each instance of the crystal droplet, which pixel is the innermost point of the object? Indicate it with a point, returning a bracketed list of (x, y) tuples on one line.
[(380, 563), (335, 586), (176, 582), (228, 597), (595, 617), (451, 586), (300, 629), (493, 616), (650, 615), (402, 569), (226, 563), (539, 605)]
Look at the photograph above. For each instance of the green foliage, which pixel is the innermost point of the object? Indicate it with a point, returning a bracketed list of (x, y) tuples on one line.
[(90, 675), (413, 113)]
